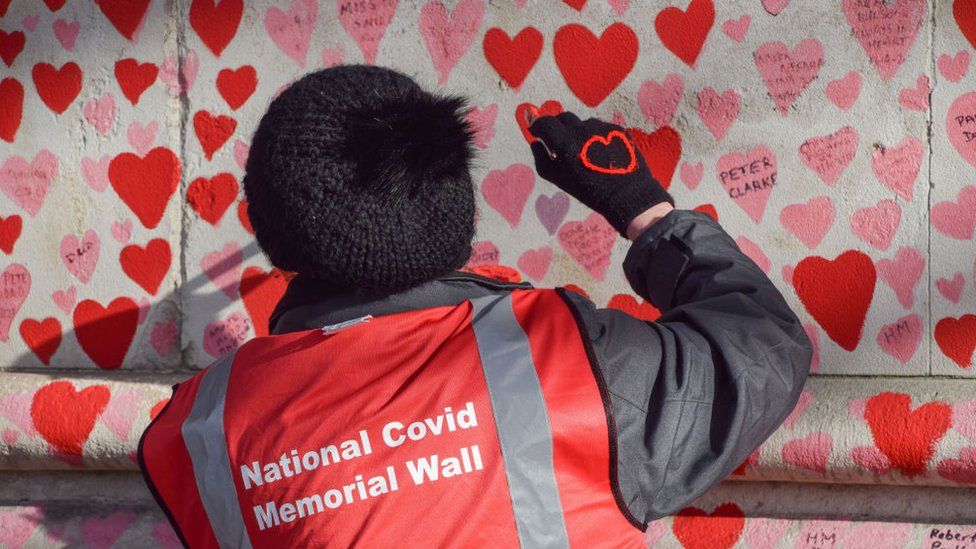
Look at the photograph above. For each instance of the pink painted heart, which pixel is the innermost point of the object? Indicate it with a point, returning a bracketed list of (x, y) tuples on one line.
[(65, 299), (773, 7), (957, 219), (122, 231), (589, 242), (241, 150), (877, 225), (806, 398), (508, 190), (658, 101), (483, 123), (843, 92), (754, 252), (142, 137), (897, 167), (484, 252), (964, 418), (749, 178), (954, 67), (165, 536), (787, 73), (867, 534), (366, 22), (961, 126), (764, 533), (16, 408), (951, 289), (814, 334), (10, 438), (223, 336), (81, 256), (170, 68), (736, 29), (656, 528), (27, 183), (103, 533), (15, 284), (903, 273), (333, 56), (830, 155), (101, 112), (551, 210), (121, 412), (449, 35), (95, 172), (66, 32), (30, 22), (962, 470), (535, 263), (809, 221), (718, 112), (223, 268), (786, 271), (871, 458), (165, 337), (917, 98), (886, 33), (292, 31), (144, 306), (16, 527), (619, 6), (900, 339), (810, 452), (691, 174)]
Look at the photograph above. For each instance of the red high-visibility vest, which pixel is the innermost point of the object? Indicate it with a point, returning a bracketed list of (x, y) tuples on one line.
[(484, 424)]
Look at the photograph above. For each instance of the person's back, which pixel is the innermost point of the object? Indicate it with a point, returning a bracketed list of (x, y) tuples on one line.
[(401, 400)]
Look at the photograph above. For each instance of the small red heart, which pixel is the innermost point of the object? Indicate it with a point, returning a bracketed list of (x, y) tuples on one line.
[(696, 529), (684, 32), (260, 292), (216, 24), (147, 266), (525, 113), (105, 333), (661, 150), (956, 338), (134, 77), (4, 4), (11, 45), (9, 232), (236, 86), (213, 131), (57, 88), (575, 4), (242, 216), (42, 337), (513, 58), (594, 66), (65, 416), (605, 141), (54, 5), (125, 15), (146, 184), (837, 293), (907, 437), (12, 99), (628, 304), (210, 198)]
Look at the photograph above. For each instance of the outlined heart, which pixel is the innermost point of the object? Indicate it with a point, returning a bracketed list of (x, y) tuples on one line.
[(105, 333), (594, 66), (513, 58), (614, 167), (525, 110), (907, 437), (837, 293), (146, 184), (65, 416)]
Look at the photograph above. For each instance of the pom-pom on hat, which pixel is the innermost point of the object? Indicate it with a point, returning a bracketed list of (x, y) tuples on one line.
[(357, 177)]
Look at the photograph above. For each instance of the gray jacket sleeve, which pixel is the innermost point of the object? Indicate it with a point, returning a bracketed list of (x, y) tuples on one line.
[(697, 391)]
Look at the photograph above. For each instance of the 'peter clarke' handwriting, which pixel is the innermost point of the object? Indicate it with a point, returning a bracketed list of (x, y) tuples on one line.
[(394, 434), (752, 177)]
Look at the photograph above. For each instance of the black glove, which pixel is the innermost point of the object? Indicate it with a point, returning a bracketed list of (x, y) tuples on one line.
[(598, 164)]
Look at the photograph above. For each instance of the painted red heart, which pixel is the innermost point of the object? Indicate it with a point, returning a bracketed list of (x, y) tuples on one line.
[(4, 4), (597, 142), (242, 216), (707, 209), (12, 99), (696, 529), (513, 58), (65, 416), (105, 333), (11, 45), (837, 293), (210, 198), (57, 88), (9, 232), (147, 266), (594, 67), (260, 292), (125, 15), (964, 12), (684, 32), (54, 5), (236, 86), (907, 437), (134, 77), (157, 408), (216, 24), (628, 304), (956, 338), (661, 150), (524, 110), (213, 131), (42, 337), (575, 4), (146, 184)]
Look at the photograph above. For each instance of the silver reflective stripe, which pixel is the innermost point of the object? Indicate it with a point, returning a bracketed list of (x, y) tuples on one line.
[(203, 435), (521, 421)]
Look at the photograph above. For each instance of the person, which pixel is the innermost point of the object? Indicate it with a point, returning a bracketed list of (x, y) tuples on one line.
[(403, 400)]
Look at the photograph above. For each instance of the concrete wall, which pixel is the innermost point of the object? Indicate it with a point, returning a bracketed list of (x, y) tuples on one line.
[(127, 263)]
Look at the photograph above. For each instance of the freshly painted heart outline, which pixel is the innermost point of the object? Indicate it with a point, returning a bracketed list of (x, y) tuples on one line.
[(605, 141)]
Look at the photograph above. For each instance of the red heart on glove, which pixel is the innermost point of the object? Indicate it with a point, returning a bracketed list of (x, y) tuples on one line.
[(605, 141)]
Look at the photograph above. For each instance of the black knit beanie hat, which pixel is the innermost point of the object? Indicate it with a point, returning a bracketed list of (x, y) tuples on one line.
[(359, 178)]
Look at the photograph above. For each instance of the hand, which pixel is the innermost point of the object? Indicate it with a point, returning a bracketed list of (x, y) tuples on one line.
[(597, 163)]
